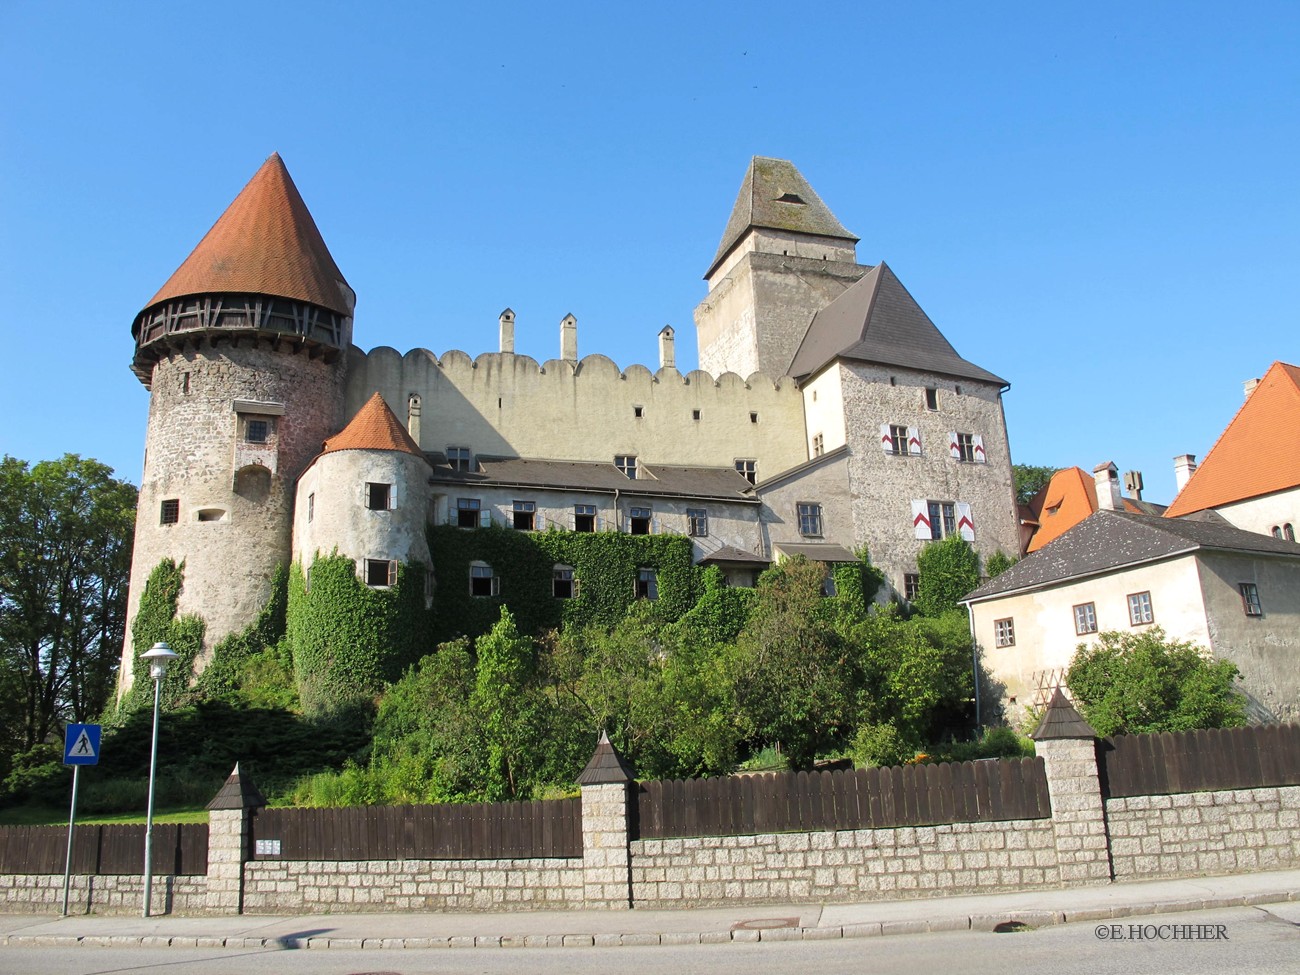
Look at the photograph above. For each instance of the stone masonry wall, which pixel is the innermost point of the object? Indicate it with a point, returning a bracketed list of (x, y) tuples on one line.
[(322, 886), (1204, 833), (43, 894), (844, 865)]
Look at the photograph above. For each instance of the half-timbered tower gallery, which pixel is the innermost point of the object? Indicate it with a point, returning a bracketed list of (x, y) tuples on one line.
[(829, 414)]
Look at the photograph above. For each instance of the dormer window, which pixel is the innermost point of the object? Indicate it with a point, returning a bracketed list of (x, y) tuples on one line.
[(794, 198), (626, 464), (458, 458)]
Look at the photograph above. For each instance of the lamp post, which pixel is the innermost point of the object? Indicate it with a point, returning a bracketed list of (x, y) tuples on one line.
[(159, 656)]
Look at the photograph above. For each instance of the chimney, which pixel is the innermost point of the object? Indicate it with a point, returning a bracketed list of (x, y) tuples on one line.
[(1107, 477), (507, 321), (1184, 468), (1133, 484), (569, 338), (1249, 386), (667, 355), (413, 416)]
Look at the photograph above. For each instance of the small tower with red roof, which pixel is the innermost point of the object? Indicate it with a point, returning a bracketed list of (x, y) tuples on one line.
[(243, 352)]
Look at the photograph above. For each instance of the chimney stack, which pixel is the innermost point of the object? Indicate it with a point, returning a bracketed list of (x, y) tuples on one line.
[(1184, 468), (1107, 478), (507, 321), (1133, 484), (1249, 386), (667, 354), (569, 338)]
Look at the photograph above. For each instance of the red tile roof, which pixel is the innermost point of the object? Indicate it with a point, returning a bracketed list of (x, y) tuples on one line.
[(1258, 453), (374, 428), (265, 243), (1069, 497)]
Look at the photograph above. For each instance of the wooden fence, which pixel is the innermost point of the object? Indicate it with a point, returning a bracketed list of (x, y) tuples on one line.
[(453, 831), (1199, 761), (914, 795), (180, 850)]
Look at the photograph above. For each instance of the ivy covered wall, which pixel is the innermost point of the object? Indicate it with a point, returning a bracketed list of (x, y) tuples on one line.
[(156, 622)]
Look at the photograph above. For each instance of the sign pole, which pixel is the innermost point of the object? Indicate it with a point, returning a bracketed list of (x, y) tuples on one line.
[(72, 821)]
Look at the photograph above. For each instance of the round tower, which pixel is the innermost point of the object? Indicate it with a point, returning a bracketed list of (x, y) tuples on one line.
[(242, 351)]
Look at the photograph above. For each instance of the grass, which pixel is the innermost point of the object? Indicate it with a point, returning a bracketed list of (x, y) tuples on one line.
[(48, 816)]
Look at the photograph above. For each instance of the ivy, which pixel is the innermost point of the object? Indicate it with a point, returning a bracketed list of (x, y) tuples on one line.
[(232, 658), (605, 568), (156, 622), (348, 639)]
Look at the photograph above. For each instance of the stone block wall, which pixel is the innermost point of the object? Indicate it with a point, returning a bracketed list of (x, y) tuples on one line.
[(43, 894), (1204, 833), (324, 886), (844, 865)]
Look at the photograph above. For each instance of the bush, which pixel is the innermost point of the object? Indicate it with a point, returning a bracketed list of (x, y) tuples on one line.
[(949, 570), (1129, 683), (880, 745)]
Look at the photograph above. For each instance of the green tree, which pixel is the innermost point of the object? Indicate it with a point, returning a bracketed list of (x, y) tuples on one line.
[(949, 570), (509, 709), (1030, 479), (1128, 683), (65, 556)]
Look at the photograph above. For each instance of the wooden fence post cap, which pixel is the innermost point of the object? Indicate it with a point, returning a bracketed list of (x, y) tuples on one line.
[(1061, 721), (606, 766), (239, 792)]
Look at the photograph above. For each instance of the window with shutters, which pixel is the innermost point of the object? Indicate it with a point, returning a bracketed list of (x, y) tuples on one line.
[(697, 522), (1139, 609), (584, 517), (935, 520), (525, 514), (483, 581), (563, 584), (900, 440), (647, 584), (638, 521), (967, 448), (379, 496), (468, 512), (381, 573), (1085, 619), (897, 439), (1004, 632)]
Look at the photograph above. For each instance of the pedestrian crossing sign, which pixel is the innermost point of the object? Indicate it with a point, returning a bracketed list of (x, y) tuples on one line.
[(81, 744)]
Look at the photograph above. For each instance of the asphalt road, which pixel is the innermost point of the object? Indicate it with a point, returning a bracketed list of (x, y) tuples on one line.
[(1262, 939)]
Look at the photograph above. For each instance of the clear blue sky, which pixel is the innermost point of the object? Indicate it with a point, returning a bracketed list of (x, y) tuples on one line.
[(1098, 201)]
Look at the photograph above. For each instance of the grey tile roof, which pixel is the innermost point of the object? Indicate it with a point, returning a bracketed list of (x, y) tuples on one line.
[(729, 553), (817, 551), (877, 320), (653, 480), (1114, 539), (238, 792), (768, 197)]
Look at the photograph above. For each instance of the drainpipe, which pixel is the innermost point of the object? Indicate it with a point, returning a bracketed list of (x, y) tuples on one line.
[(974, 661)]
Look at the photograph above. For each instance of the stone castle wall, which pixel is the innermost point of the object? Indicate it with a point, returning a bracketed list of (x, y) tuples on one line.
[(194, 448)]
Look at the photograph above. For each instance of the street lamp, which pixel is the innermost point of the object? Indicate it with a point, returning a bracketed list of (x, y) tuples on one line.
[(159, 656)]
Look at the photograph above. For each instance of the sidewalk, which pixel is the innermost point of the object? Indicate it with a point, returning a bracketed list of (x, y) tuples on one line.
[(778, 922)]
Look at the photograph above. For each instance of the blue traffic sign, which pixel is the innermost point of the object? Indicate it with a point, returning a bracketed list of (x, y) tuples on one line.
[(81, 744)]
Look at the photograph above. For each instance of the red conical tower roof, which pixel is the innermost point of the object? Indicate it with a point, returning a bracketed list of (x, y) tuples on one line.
[(265, 243), (374, 428)]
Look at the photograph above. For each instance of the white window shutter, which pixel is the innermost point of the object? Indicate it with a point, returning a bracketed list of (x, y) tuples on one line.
[(485, 518), (496, 585), (979, 449), (392, 572), (965, 523), (914, 441), (921, 519), (539, 523), (886, 441), (654, 527), (573, 521), (953, 447), (392, 496)]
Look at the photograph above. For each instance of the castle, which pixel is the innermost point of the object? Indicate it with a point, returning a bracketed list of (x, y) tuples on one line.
[(829, 413)]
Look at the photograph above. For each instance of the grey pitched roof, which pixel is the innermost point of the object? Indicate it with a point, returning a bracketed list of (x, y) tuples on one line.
[(877, 320), (729, 553), (653, 480), (606, 765), (238, 792), (1061, 720), (817, 551), (1115, 539), (775, 195)]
